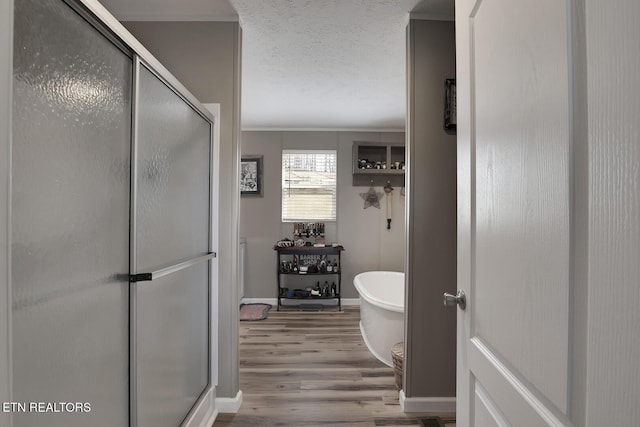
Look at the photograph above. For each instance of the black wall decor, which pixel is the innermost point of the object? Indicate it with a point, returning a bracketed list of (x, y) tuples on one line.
[(251, 175), (450, 114)]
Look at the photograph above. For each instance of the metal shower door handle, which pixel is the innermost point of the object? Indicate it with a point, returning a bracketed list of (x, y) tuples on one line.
[(458, 299), (144, 277)]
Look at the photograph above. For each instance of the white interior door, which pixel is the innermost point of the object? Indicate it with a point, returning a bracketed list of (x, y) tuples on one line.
[(514, 133)]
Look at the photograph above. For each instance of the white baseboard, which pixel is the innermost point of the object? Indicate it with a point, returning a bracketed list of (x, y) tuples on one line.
[(209, 422), (274, 301), (229, 405), (205, 412), (427, 404)]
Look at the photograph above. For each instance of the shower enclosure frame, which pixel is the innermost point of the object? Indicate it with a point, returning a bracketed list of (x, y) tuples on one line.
[(203, 409), (6, 100)]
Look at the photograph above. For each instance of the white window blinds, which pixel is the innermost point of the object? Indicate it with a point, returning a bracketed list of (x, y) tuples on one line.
[(308, 185)]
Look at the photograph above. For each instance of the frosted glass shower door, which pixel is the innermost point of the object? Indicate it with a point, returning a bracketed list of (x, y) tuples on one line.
[(171, 253), (70, 220)]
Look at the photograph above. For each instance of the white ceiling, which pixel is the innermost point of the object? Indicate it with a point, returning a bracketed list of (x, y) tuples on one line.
[(311, 64)]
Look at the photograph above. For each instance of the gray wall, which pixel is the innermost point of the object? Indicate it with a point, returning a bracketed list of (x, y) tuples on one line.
[(368, 244), (430, 341), (205, 57)]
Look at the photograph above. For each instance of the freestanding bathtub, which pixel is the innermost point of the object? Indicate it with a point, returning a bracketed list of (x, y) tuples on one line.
[(381, 311)]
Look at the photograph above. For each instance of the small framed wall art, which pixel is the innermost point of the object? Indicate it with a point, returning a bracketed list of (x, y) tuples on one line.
[(251, 176)]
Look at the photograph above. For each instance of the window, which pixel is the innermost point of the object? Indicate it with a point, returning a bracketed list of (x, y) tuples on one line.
[(308, 185)]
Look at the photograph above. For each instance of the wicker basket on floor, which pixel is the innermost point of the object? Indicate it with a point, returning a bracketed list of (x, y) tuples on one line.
[(397, 355)]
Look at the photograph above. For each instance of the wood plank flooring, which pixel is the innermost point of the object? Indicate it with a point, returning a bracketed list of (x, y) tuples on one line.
[(313, 369)]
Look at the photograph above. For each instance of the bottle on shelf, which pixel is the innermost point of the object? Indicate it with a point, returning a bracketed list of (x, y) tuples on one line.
[(334, 289), (329, 267)]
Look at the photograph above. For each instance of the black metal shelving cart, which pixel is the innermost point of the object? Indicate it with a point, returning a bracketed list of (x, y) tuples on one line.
[(309, 261)]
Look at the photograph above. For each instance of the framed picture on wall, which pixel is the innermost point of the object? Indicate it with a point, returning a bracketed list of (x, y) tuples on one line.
[(251, 176), (450, 114)]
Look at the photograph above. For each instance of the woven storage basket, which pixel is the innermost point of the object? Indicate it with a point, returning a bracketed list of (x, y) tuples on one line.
[(397, 355)]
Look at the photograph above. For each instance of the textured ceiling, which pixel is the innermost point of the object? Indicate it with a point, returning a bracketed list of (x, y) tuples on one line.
[(311, 64), (323, 64)]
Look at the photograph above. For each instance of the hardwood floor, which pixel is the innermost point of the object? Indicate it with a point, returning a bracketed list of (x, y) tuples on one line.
[(313, 369)]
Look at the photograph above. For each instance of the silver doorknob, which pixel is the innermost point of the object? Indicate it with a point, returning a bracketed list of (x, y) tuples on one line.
[(458, 299)]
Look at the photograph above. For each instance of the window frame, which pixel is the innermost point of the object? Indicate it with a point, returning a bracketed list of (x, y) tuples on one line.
[(286, 151)]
